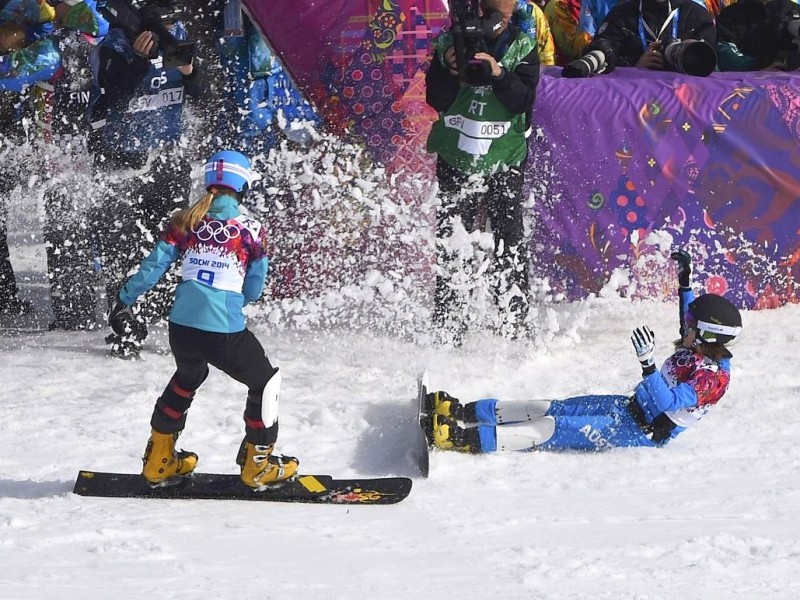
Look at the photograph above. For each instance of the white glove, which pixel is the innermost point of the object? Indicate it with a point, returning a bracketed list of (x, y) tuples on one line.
[(644, 342)]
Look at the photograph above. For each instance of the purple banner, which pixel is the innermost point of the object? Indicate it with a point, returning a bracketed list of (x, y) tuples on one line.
[(624, 164)]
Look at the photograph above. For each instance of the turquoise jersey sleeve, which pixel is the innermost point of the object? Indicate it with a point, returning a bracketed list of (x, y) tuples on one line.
[(254, 279), (150, 271)]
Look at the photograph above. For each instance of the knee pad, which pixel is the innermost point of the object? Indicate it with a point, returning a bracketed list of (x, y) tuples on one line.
[(269, 399), (526, 410), (525, 436)]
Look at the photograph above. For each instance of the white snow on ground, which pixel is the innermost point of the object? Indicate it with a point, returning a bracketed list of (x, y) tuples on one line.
[(714, 515)]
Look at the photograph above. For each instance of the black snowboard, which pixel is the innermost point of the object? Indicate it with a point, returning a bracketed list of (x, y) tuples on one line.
[(312, 489), (424, 430)]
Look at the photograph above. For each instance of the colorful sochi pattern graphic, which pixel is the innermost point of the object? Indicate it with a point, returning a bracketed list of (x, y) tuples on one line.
[(216, 252), (704, 375), (363, 66), (640, 159)]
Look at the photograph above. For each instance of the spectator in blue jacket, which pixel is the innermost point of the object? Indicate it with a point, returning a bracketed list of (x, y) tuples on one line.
[(690, 383), (140, 153), (223, 267)]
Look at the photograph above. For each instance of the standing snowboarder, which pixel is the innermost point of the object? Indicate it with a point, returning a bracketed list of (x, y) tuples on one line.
[(223, 267)]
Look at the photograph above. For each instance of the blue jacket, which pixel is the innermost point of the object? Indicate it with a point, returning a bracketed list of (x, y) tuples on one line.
[(223, 267), (37, 62), (688, 384), (136, 106)]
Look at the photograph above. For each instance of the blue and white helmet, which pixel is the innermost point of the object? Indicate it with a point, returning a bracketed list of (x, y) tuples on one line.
[(229, 169)]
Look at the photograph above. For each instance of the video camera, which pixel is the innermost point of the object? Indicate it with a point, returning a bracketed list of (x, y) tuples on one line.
[(470, 31), (691, 57), (135, 20)]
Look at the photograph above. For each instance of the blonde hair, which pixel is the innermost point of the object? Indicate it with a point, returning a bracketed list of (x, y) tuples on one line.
[(185, 220)]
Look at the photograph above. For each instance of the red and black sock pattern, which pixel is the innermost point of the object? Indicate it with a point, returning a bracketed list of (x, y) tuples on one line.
[(169, 414), (256, 431)]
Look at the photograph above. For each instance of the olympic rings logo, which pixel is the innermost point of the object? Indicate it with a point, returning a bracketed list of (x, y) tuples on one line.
[(220, 232), (685, 358)]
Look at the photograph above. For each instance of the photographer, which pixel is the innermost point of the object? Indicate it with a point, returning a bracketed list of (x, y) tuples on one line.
[(643, 34), (136, 115), (755, 35), (484, 98)]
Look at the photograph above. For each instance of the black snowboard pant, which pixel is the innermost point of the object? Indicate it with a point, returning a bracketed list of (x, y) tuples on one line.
[(238, 355), (498, 198)]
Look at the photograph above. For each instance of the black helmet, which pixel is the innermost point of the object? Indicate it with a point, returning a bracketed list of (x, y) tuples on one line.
[(714, 318)]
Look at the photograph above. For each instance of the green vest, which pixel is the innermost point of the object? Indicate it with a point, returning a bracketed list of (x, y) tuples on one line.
[(477, 133)]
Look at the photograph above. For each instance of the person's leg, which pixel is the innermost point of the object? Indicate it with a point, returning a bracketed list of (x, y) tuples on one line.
[(487, 411), (122, 246), (8, 282), (70, 261), (581, 423), (591, 404), (116, 221), (10, 302), (510, 426), (588, 423), (162, 464), (189, 348), (594, 422), (511, 262), (242, 357), (457, 208)]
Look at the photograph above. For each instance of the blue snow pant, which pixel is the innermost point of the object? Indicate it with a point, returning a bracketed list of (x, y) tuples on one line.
[(588, 423)]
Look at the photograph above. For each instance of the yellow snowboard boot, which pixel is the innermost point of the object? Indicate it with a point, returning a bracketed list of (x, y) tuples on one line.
[(447, 435), (445, 405), (260, 468), (162, 465)]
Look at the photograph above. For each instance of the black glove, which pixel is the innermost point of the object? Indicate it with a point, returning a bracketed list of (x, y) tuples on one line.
[(121, 319), (684, 260), (644, 342)]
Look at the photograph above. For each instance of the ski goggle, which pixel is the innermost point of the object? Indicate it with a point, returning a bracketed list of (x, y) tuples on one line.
[(708, 332)]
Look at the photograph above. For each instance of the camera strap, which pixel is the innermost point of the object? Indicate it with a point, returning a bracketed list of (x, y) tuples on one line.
[(672, 16)]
